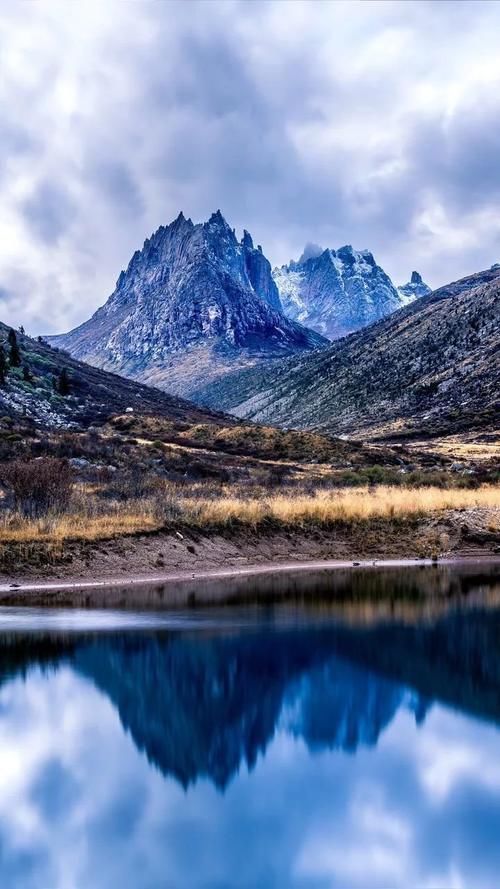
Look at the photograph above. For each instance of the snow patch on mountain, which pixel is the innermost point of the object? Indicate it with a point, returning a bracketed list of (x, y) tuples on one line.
[(414, 289), (335, 291)]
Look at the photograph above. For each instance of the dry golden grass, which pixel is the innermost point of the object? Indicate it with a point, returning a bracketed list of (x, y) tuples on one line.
[(71, 527), (463, 447), (321, 509), (328, 507)]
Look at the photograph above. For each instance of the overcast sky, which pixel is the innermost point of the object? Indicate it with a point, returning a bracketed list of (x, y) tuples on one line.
[(375, 124)]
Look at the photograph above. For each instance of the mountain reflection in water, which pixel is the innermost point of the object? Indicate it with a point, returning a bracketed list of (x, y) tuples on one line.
[(218, 705), (201, 703)]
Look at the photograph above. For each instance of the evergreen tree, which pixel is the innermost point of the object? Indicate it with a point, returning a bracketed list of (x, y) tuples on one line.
[(27, 375), (14, 353), (3, 365), (21, 330), (63, 383)]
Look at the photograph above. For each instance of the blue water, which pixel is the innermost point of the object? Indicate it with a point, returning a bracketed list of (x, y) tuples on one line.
[(312, 747)]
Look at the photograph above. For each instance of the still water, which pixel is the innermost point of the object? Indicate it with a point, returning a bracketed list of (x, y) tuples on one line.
[(302, 744)]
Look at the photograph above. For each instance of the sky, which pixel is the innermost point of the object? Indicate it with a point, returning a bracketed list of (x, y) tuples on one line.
[(375, 124)]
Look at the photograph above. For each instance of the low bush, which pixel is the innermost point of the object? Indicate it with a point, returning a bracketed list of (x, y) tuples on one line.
[(38, 486)]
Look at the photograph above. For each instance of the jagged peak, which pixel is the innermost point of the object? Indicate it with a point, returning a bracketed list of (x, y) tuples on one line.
[(180, 222), (416, 278), (246, 240), (367, 256), (218, 219)]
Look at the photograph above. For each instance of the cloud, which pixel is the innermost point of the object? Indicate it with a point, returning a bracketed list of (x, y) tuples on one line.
[(372, 124), (48, 212), (80, 805)]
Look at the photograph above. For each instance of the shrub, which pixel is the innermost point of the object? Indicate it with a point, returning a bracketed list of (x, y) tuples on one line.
[(38, 486), (3, 365)]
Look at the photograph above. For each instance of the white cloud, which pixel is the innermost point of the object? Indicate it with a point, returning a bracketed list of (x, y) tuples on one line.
[(375, 124)]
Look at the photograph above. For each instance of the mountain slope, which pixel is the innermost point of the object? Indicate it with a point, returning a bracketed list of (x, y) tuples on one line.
[(93, 394), (336, 291), (121, 411), (192, 304), (432, 367)]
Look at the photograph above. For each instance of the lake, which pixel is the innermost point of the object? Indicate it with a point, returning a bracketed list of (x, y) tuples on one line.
[(322, 741)]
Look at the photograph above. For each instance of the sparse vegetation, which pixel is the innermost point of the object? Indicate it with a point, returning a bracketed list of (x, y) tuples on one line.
[(327, 508), (92, 470), (45, 511), (38, 486)]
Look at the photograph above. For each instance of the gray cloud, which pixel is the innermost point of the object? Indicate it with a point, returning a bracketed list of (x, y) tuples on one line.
[(48, 212), (374, 124)]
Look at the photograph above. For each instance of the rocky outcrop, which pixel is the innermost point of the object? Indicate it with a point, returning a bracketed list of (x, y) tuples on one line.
[(414, 289)]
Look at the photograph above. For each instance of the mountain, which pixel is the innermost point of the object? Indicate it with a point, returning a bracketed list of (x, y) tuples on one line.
[(414, 289), (336, 292), (431, 368), (193, 304)]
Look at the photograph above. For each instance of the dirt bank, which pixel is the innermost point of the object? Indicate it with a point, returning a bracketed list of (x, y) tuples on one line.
[(165, 554)]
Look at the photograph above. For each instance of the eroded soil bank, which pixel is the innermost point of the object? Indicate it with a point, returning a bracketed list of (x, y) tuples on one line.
[(184, 554)]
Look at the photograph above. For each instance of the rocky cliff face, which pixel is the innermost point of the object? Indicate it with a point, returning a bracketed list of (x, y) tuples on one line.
[(414, 289), (336, 292), (192, 303)]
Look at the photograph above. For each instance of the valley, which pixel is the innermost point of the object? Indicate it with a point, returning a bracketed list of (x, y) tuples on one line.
[(381, 444)]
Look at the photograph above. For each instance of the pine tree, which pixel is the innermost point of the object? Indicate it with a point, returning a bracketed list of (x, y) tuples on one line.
[(63, 383), (3, 366), (27, 375), (14, 353)]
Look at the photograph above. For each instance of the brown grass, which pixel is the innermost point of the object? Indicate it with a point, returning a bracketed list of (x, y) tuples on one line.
[(174, 507), (70, 527), (344, 505)]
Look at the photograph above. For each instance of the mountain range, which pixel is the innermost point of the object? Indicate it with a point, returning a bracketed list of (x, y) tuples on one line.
[(196, 303), (200, 314), (433, 367)]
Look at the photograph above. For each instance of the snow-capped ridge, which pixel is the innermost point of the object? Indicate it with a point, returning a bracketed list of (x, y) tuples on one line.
[(336, 291)]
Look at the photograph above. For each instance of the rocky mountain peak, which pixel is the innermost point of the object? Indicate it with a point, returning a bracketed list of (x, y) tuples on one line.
[(310, 251), (414, 289), (336, 291), (246, 240), (192, 287)]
